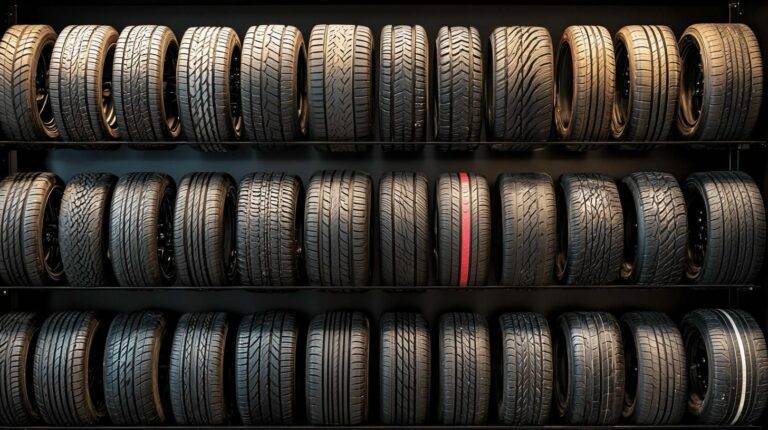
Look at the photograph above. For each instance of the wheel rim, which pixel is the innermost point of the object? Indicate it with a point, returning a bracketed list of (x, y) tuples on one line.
[(564, 87), (561, 259), (107, 93), (170, 103), (631, 372), (692, 87), (52, 255), (698, 366), (234, 90), (697, 239), (42, 88), (562, 374), (165, 255), (622, 95), (631, 235), (301, 91)]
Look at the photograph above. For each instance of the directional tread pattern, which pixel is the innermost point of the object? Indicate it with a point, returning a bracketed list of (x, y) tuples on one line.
[(735, 226), (61, 374), (340, 85), (337, 369), (135, 218), (594, 240), (528, 222), (520, 86), (405, 370), (132, 392), (733, 82), (271, 85), (404, 229), (207, 107), (662, 228), (661, 386), (268, 216), (23, 201), (464, 382), (337, 225), (403, 86), (451, 197), (21, 49), (138, 84), (737, 366), (83, 229), (265, 368), (526, 369), (458, 100), (80, 55), (197, 369), (203, 228), (595, 392), (17, 336)]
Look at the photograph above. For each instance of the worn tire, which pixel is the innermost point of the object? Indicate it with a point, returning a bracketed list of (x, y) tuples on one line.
[(463, 229), (144, 76), (133, 382), (274, 85), (464, 373), (18, 335), (84, 229), (405, 370), (527, 225), (591, 229), (204, 229), (656, 372), (340, 85), (732, 69), (140, 226), (81, 64), (268, 222), (197, 369), (656, 229), (520, 86), (584, 84), (66, 372), (589, 363), (732, 214), (647, 78), (458, 110), (337, 369), (29, 208), (337, 227), (25, 55), (736, 369), (265, 368), (209, 100), (403, 87), (404, 229), (525, 378)]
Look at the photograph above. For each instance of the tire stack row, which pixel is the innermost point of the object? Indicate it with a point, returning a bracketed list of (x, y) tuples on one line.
[(140, 231), (143, 86), (74, 368)]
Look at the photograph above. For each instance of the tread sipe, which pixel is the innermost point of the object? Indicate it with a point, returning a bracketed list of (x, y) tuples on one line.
[(29, 212), (209, 92), (519, 86), (589, 363), (340, 85), (404, 229), (66, 371), (403, 86), (25, 58), (81, 83), (459, 88), (591, 229), (731, 386), (265, 368), (273, 85), (141, 226), (404, 368), (726, 218), (463, 229), (18, 335), (337, 369), (204, 229), (84, 229), (144, 76), (337, 227), (133, 383)]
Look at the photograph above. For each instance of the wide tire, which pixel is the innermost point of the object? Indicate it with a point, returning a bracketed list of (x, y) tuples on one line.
[(18, 335)]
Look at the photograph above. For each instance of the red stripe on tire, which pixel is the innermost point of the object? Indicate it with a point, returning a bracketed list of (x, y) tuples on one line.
[(466, 231)]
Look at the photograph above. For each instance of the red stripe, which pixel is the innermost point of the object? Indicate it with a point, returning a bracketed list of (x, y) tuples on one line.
[(466, 231)]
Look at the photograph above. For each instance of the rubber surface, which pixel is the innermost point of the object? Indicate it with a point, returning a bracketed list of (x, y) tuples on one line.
[(18, 335)]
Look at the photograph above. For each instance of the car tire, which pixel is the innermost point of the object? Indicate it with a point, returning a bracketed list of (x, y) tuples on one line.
[(18, 337)]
